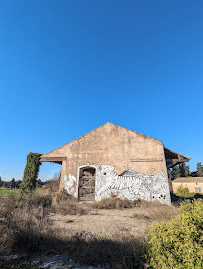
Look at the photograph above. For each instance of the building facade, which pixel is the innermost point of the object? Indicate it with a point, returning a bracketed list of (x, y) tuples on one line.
[(194, 184), (115, 161)]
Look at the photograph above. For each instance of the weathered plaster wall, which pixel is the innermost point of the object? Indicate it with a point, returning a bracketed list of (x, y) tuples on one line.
[(113, 145)]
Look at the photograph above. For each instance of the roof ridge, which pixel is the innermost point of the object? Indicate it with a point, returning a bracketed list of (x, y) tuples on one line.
[(108, 122)]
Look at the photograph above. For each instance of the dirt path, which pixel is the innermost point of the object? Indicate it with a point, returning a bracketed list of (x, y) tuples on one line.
[(105, 223)]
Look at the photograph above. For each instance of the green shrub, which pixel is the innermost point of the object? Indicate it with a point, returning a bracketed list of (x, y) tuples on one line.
[(182, 191), (185, 193), (178, 243), (31, 171)]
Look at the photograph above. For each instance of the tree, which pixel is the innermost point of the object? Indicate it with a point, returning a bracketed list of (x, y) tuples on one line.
[(7, 184), (199, 169), (169, 174), (187, 170), (13, 183), (1, 183), (175, 173), (40, 183), (31, 172), (184, 170), (18, 183)]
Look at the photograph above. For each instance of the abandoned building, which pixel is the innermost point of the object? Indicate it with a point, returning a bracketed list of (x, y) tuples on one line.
[(114, 161)]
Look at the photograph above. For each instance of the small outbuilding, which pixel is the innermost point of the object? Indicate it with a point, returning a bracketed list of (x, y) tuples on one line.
[(115, 161), (194, 184)]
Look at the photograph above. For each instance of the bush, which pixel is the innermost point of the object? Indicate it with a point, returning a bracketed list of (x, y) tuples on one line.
[(182, 191), (115, 204), (53, 184), (68, 205), (63, 195), (31, 171), (178, 243), (44, 201), (23, 223)]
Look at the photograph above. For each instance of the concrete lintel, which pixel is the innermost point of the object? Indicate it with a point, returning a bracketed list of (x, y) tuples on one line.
[(147, 160)]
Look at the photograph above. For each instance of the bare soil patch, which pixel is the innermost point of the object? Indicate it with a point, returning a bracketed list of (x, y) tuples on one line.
[(110, 223), (111, 238)]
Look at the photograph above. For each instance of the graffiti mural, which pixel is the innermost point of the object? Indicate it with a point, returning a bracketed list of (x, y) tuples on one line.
[(69, 182), (128, 185), (131, 185)]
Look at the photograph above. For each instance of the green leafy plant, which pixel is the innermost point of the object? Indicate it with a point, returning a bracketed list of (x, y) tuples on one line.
[(182, 191), (178, 243), (31, 171)]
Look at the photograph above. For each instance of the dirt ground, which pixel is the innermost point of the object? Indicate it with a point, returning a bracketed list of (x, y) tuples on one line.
[(109, 223)]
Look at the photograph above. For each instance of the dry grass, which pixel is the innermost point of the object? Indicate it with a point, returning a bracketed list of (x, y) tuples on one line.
[(65, 204), (21, 219), (69, 207), (156, 211), (115, 204), (26, 226), (52, 185)]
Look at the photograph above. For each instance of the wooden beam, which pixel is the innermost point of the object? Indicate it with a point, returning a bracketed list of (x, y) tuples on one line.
[(176, 160), (52, 159)]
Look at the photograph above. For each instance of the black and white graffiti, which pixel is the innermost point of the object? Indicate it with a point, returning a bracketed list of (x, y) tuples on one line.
[(129, 185), (69, 183)]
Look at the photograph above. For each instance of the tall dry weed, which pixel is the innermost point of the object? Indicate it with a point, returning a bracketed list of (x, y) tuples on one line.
[(156, 211), (115, 203), (22, 218)]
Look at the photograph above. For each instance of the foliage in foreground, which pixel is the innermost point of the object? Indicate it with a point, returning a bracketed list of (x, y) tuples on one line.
[(178, 243), (31, 171), (25, 226)]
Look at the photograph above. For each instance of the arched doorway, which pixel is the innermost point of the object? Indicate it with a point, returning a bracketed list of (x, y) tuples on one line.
[(86, 186)]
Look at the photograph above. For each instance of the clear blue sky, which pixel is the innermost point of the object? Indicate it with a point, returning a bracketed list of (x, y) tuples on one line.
[(66, 67)]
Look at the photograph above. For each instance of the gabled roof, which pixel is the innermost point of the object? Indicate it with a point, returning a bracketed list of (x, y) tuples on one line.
[(107, 123), (172, 158)]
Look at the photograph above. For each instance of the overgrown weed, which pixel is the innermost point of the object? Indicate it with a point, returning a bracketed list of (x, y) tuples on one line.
[(156, 211), (25, 227), (115, 204), (65, 204)]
